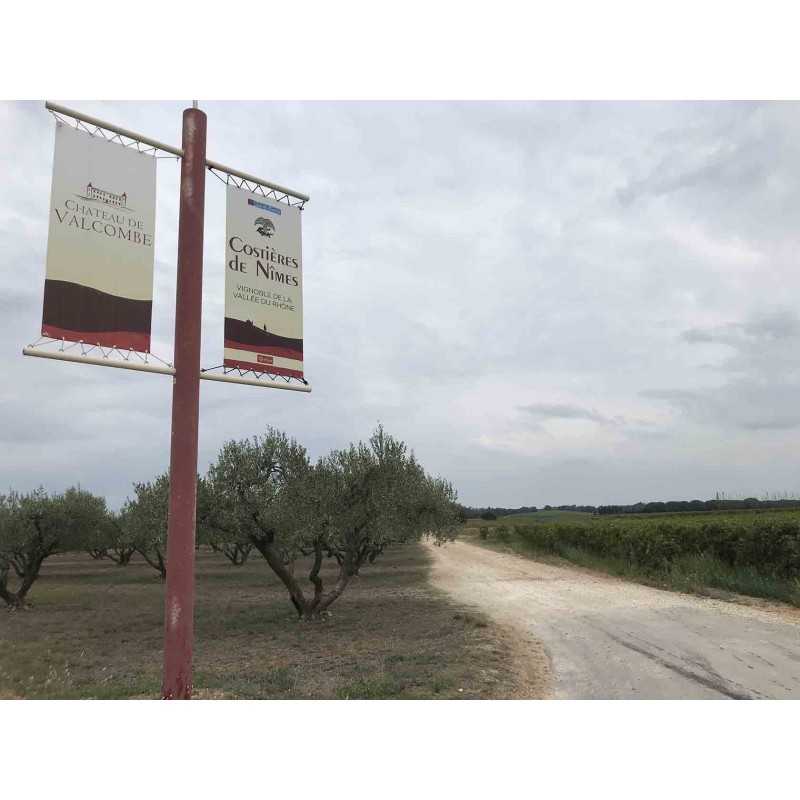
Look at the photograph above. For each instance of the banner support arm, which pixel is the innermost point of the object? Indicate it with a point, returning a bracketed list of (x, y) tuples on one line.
[(175, 151), (100, 362)]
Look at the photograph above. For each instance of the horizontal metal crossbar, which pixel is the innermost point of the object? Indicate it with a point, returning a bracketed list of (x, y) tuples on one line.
[(289, 384), (292, 387), (100, 362), (175, 151)]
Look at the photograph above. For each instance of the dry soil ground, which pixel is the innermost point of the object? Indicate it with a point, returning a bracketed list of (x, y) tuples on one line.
[(608, 638), (95, 631)]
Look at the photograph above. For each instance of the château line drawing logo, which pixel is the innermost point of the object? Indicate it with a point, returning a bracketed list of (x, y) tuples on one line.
[(264, 226), (97, 195)]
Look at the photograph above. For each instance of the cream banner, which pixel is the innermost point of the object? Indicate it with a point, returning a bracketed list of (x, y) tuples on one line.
[(99, 279), (263, 285)]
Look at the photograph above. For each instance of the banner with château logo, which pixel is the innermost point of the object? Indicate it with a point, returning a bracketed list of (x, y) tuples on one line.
[(99, 279), (263, 285)]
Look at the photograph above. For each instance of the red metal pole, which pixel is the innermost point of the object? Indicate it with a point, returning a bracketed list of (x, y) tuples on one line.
[(179, 600)]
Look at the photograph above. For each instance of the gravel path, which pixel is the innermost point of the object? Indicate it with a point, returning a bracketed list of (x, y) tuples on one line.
[(611, 639)]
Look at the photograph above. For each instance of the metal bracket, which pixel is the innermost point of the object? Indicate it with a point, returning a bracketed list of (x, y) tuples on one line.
[(272, 381)]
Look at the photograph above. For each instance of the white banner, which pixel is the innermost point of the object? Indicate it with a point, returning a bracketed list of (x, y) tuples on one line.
[(99, 279), (263, 285)]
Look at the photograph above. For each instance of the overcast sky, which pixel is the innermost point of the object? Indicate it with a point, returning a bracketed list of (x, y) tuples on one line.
[(551, 303)]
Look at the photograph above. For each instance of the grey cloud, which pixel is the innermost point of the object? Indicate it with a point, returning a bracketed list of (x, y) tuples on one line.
[(763, 347), (725, 169), (720, 153), (761, 379), (780, 324), (762, 328), (563, 411), (742, 404), (697, 335)]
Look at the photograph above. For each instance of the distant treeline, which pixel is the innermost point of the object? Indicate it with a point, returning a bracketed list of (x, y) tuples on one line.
[(673, 506), (659, 507)]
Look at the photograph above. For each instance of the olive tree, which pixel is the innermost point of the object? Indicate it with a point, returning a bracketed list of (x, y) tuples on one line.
[(35, 526), (254, 499), (145, 520), (111, 539), (120, 545), (97, 545), (372, 495), (348, 507)]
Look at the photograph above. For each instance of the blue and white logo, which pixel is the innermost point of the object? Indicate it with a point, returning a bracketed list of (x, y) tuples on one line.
[(264, 206)]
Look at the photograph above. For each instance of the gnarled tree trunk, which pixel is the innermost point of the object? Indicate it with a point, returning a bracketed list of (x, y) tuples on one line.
[(27, 575), (236, 553), (121, 556), (307, 608), (156, 561)]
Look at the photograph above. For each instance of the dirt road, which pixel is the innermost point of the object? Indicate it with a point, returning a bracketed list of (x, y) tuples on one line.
[(609, 638)]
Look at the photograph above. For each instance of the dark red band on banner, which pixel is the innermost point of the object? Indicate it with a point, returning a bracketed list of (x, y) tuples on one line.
[(75, 307), (124, 340), (279, 352), (292, 373), (254, 337)]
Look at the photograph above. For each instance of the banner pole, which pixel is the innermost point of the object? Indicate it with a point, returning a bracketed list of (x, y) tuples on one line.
[(179, 597)]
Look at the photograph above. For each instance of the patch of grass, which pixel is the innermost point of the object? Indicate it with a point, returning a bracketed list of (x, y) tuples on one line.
[(701, 572), (441, 685), (72, 681), (381, 687), (258, 684)]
